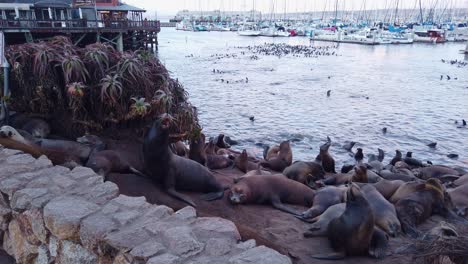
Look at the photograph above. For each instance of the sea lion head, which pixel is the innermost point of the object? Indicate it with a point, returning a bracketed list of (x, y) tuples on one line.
[(360, 174), (398, 153), (165, 121), (285, 146), (238, 194), (221, 143), (8, 132), (325, 147), (354, 194)]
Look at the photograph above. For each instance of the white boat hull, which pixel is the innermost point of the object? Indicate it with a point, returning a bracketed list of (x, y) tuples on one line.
[(249, 33)]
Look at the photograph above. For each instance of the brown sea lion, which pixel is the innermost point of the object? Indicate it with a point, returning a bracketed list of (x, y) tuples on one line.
[(461, 181), (271, 189), (327, 160), (197, 149), (418, 206), (65, 153), (305, 172), (220, 141), (406, 189), (459, 198), (385, 216), (398, 157), (282, 160), (271, 152), (242, 163), (180, 149), (358, 175), (321, 222), (104, 161), (435, 171), (258, 171), (217, 162), (323, 199), (353, 233), (388, 188), (175, 172)]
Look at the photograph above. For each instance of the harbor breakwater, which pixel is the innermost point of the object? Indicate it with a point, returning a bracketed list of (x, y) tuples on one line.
[(53, 214)]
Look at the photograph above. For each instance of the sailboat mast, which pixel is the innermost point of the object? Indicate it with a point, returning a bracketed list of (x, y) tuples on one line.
[(421, 12), (336, 11)]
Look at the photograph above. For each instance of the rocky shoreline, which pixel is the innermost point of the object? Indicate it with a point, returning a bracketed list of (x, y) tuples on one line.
[(51, 213)]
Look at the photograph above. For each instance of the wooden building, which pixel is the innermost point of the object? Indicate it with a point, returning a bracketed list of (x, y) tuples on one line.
[(84, 21)]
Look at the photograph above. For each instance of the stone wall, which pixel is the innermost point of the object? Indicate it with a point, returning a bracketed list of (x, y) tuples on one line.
[(49, 214)]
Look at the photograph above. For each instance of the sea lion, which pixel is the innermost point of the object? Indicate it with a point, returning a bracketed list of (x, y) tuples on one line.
[(375, 162), (412, 161), (242, 163), (282, 160), (272, 189), (10, 138), (398, 157), (215, 161), (347, 168), (353, 232), (220, 142), (405, 190), (461, 181), (258, 171), (327, 160), (175, 172), (75, 149), (435, 171), (385, 216), (391, 176), (459, 197), (104, 161), (180, 149), (349, 146), (418, 206), (270, 152), (321, 222), (305, 172), (323, 199), (37, 127), (359, 175), (388, 188), (197, 149)]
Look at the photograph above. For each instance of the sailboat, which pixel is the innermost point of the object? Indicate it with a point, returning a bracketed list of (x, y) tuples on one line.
[(247, 29)]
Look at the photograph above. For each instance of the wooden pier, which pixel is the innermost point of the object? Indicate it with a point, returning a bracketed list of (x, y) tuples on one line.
[(123, 34)]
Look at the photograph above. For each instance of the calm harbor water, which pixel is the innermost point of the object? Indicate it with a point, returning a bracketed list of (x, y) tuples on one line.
[(288, 98)]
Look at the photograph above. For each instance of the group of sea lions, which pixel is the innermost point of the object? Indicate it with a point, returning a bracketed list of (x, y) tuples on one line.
[(357, 208)]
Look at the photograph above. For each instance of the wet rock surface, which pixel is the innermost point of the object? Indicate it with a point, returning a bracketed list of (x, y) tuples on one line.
[(55, 215)]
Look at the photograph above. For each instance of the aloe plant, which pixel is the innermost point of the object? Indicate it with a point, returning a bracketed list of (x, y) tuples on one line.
[(111, 88), (139, 106), (98, 58), (74, 69), (43, 57)]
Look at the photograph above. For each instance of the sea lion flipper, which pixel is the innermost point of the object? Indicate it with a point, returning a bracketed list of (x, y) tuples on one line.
[(137, 172), (379, 244), (213, 196), (174, 193), (331, 256), (280, 206)]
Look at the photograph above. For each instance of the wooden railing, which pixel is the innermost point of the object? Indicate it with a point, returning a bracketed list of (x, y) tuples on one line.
[(79, 24)]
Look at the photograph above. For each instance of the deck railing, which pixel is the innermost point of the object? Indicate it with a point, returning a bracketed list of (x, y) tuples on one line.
[(79, 24)]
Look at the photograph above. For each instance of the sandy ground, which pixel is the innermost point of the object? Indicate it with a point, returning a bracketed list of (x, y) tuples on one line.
[(270, 227)]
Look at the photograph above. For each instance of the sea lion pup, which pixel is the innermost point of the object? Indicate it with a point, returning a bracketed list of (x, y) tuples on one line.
[(435, 171), (398, 157), (270, 152), (173, 171), (388, 188), (282, 160), (323, 199), (385, 216), (430, 198), (305, 172), (327, 160), (353, 232), (104, 161), (197, 148), (242, 163), (321, 222), (272, 189), (459, 197)]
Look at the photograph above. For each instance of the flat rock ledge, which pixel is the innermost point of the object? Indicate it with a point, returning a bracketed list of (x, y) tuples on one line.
[(50, 214)]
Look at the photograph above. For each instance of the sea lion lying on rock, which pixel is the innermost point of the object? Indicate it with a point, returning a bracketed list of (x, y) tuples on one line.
[(323, 199), (272, 189), (321, 222), (173, 171), (353, 233), (305, 172)]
